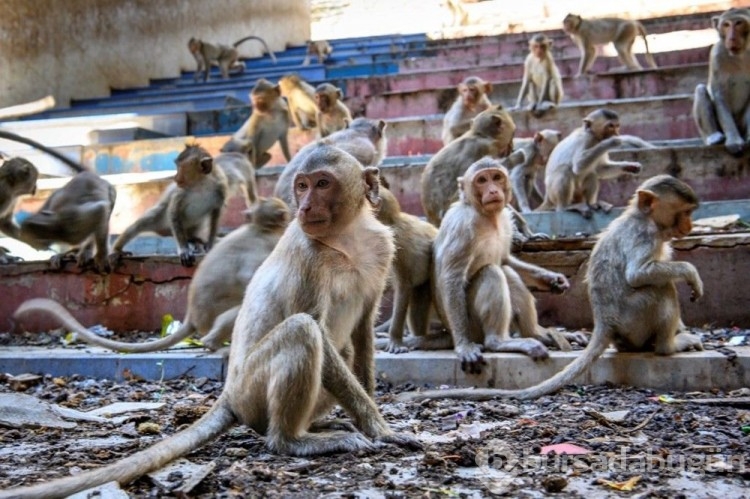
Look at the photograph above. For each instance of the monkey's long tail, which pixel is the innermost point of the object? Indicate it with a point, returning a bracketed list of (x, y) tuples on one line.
[(599, 343), (51, 307), (211, 425), (261, 40), (5, 134), (649, 56)]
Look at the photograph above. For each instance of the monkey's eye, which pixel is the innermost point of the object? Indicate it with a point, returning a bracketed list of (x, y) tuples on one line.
[(301, 186), (322, 183), (498, 177), (481, 179)]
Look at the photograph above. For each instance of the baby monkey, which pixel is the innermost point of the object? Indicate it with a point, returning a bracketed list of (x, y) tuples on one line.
[(541, 86)]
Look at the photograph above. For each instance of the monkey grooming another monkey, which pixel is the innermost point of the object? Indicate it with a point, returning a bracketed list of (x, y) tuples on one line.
[(267, 124), (364, 139), (196, 197), (722, 109), (77, 214), (541, 86), (632, 290), (581, 159), (224, 56), (303, 339), (535, 152), (333, 115), (621, 32), (240, 175), (471, 100), (319, 48), (216, 289), (300, 97)]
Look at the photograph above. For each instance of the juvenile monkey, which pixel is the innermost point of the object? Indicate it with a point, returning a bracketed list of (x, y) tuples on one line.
[(319, 48), (196, 197), (77, 214), (18, 176), (240, 175), (303, 339), (333, 115), (300, 97), (621, 32), (631, 284), (216, 289), (364, 139), (471, 100), (224, 56), (535, 152), (541, 86), (581, 159), (268, 123), (722, 109)]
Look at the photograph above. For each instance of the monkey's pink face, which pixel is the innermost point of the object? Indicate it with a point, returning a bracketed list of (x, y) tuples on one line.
[(539, 50), (490, 187), (735, 33), (318, 197), (322, 101)]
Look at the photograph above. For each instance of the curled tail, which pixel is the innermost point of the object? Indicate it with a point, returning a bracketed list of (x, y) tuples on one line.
[(211, 425), (60, 313), (649, 57), (5, 134), (599, 343), (261, 40)]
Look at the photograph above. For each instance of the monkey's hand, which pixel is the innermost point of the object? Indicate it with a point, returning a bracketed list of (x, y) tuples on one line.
[(187, 259), (715, 138), (471, 358), (577, 337), (396, 347), (633, 168), (687, 341), (696, 285), (401, 439), (115, 258), (735, 145), (557, 282)]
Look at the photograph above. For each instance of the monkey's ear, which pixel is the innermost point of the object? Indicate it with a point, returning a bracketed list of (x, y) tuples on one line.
[(371, 176), (587, 123), (248, 215), (339, 93), (647, 200), (538, 138), (559, 136), (381, 127), (715, 22), (487, 87), (207, 164)]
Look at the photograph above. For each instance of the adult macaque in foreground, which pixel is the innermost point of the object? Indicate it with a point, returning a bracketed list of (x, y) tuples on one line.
[(491, 134), (240, 175), (18, 177), (224, 56), (267, 124), (535, 152), (216, 289), (364, 139), (541, 87), (318, 48), (471, 100), (195, 199), (578, 163), (632, 287), (300, 97), (333, 115), (722, 109), (76, 214), (303, 340), (621, 32)]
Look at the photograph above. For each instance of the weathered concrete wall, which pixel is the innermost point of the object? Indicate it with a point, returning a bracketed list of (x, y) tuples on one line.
[(82, 48)]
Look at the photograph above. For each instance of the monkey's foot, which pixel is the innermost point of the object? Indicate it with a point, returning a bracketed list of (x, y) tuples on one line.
[(402, 440), (577, 337), (555, 339), (529, 346), (187, 258), (396, 347), (715, 138), (735, 148), (471, 358), (583, 209), (115, 258), (602, 205), (59, 260), (687, 341), (332, 424), (312, 444), (6, 257)]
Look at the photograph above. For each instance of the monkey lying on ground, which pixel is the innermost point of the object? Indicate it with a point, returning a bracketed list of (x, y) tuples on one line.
[(621, 32), (240, 175), (303, 339), (300, 97), (333, 115), (471, 100), (224, 56), (319, 48), (267, 124), (581, 159), (195, 197), (632, 289), (535, 152), (216, 289), (364, 139), (722, 109), (541, 86), (77, 214)]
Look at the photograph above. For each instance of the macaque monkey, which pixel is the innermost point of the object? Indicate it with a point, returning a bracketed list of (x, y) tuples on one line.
[(410, 275), (333, 115), (268, 123), (320, 49), (722, 109), (18, 177), (364, 139), (632, 287), (621, 32), (581, 159), (195, 198), (535, 152), (216, 289), (224, 56), (471, 100), (300, 97), (541, 86), (303, 339), (491, 134), (240, 175), (76, 214)]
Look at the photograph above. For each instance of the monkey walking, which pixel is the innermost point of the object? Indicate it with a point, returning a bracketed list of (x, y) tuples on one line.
[(632, 287), (225, 56), (318, 48), (303, 339)]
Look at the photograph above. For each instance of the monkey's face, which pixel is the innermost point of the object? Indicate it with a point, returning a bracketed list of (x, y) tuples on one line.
[(319, 201), (602, 128), (323, 102), (490, 190), (734, 30), (539, 50), (470, 93), (673, 216), (571, 22), (191, 170)]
